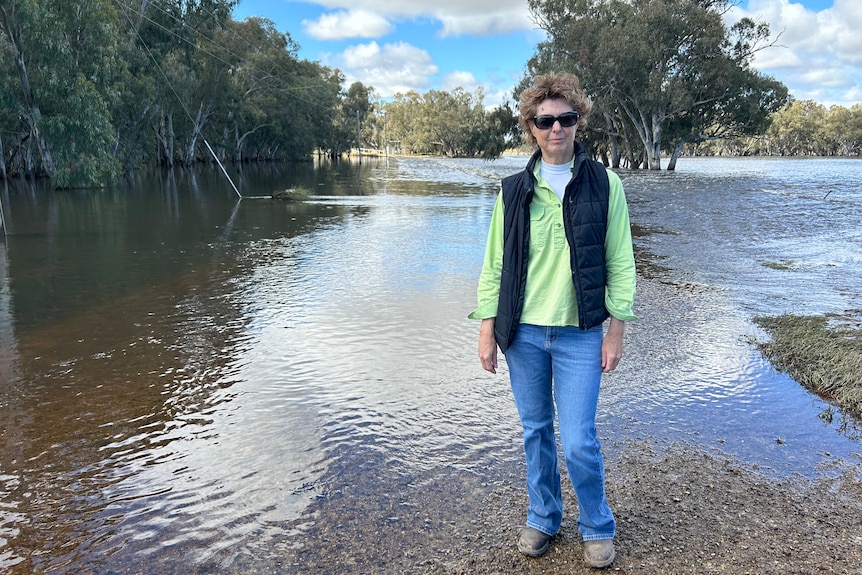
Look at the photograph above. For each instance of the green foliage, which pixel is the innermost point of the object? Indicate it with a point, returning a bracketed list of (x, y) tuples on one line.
[(797, 129), (454, 124), (669, 71), (88, 88), (65, 86), (801, 128), (345, 129), (503, 131), (84, 133), (843, 130)]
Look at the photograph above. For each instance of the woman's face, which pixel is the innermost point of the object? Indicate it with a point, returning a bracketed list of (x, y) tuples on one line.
[(557, 143)]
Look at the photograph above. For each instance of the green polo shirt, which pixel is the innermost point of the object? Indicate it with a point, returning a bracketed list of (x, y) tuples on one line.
[(550, 294)]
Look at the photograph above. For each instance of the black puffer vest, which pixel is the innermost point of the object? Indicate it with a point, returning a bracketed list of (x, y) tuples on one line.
[(585, 216)]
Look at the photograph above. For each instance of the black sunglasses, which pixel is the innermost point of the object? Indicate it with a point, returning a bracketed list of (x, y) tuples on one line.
[(546, 121)]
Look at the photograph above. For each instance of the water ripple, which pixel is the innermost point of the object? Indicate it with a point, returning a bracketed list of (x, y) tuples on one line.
[(196, 410)]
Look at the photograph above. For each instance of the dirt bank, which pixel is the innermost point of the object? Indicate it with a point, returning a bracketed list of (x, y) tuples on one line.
[(686, 511)]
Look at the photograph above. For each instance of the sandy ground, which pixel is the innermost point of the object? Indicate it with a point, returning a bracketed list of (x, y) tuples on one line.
[(679, 510)]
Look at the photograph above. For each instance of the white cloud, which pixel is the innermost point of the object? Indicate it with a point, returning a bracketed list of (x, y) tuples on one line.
[(845, 26), (459, 17), (460, 79), (485, 24), (826, 77), (348, 24), (390, 68), (817, 54)]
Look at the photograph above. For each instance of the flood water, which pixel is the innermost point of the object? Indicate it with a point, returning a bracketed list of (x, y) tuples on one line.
[(183, 373)]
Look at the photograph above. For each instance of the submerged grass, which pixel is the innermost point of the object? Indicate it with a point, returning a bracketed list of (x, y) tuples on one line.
[(783, 265), (297, 194), (823, 353)]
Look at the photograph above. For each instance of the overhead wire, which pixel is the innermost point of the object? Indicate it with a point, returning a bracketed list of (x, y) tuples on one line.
[(241, 60), (180, 100), (256, 73), (250, 45)]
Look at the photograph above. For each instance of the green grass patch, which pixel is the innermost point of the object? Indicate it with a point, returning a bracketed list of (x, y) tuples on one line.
[(297, 194), (823, 353), (785, 265)]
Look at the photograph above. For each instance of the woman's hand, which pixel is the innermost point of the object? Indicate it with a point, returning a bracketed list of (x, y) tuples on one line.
[(612, 345), (488, 345)]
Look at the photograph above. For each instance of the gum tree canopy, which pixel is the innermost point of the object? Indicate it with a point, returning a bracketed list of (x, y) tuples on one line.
[(669, 71), (88, 89)]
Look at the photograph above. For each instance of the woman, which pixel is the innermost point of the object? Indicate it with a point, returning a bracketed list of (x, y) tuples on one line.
[(558, 263)]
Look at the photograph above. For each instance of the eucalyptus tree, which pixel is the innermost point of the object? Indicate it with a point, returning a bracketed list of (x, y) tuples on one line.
[(272, 103), (180, 37), (65, 55), (16, 22), (801, 128), (451, 123), (372, 120), (400, 124), (669, 68), (136, 108), (844, 127), (727, 98), (375, 130), (355, 107), (261, 69), (797, 130), (318, 95), (502, 131)]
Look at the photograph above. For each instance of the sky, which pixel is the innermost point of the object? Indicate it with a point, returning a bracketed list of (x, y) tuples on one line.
[(402, 45)]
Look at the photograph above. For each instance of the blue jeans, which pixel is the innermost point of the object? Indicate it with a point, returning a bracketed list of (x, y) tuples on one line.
[(562, 365)]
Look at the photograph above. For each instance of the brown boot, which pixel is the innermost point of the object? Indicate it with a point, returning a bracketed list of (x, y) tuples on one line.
[(599, 553), (533, 543)]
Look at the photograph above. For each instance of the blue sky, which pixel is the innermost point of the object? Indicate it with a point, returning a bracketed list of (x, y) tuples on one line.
[(400, 45)]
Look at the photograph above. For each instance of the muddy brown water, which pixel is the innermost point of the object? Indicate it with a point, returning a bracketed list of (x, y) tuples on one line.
[(184, 375)]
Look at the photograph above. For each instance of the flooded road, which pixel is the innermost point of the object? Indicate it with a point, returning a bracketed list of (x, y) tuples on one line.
[(190, 381)]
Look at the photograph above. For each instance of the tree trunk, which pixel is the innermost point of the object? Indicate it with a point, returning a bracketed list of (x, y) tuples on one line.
[(197, 129), (32, 114), (671, 165), (171, 139), (616, 152), (240, 140), (650, 135), (2, 162), (165, 138), (654, 151), (141, 15)]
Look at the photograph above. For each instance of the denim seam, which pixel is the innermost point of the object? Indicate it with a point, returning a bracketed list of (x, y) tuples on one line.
[(541, 528), (599, 536)]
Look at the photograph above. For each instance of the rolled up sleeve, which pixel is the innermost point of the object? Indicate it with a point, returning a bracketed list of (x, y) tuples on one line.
[(488, 292)]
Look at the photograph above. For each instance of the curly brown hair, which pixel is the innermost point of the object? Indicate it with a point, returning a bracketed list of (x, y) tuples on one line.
[(562, 86)]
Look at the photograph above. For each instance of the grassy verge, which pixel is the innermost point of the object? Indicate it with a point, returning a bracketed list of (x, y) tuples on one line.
[(823, 353)]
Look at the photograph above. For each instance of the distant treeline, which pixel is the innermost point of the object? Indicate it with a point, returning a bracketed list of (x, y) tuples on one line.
[(802, 128), (91, 89)]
